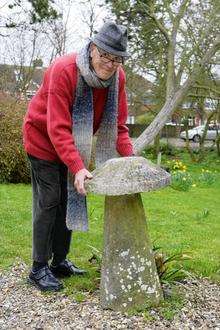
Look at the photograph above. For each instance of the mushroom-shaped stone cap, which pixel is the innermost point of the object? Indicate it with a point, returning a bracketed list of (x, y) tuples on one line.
[(127, 175)]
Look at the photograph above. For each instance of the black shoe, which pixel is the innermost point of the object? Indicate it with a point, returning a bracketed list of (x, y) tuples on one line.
[(44, 280), (66, 268)]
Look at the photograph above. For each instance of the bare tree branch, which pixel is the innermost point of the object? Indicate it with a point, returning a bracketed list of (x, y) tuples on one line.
[(172, 102), (150, 13)]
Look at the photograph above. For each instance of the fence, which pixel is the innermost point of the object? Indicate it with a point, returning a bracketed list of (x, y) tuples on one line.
[(168, 130)]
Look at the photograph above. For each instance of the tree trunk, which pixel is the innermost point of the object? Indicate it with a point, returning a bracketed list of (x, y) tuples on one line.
[(218, 145), (190, 151), (172, 102), (156, 145), (202, 140)]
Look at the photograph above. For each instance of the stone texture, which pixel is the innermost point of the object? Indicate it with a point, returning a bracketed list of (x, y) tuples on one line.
[(129, 277), (23, 307), (127, 175)]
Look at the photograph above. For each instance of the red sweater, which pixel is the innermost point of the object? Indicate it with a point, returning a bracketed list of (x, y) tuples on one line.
[(47, 128)]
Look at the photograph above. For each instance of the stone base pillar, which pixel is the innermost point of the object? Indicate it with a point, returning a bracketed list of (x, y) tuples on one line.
[(129, 278)]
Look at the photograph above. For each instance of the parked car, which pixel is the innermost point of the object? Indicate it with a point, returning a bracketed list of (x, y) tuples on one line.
[(196, 133)]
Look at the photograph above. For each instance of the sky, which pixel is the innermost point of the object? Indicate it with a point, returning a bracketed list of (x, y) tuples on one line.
[(77, 30)]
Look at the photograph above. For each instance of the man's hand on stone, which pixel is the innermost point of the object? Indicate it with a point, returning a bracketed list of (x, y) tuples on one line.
[(80, 177)]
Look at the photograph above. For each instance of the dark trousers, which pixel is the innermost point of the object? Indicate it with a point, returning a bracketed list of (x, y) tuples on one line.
[(49, 186)]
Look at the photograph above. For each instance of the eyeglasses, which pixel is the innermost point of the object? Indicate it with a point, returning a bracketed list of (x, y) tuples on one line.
[(105, 57)]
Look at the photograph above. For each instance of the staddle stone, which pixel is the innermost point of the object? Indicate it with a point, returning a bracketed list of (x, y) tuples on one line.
[(129, 278), (127, 175)]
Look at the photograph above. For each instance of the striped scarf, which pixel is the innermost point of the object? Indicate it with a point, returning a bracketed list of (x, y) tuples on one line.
[(82, 121)]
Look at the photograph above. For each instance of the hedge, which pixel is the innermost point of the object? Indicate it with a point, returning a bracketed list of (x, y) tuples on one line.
[(14, 166)]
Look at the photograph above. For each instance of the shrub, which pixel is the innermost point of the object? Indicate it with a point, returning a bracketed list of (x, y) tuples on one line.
[(13, 162), (165, 149), (168, 149)]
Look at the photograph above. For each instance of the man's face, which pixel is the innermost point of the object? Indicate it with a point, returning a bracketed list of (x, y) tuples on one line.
[(104, 64)]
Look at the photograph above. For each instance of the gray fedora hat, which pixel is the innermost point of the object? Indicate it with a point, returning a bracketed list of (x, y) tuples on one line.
[(112, 38)]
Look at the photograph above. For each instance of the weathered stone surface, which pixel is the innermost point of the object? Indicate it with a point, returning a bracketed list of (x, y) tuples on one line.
[(129, 277), (127, 175)]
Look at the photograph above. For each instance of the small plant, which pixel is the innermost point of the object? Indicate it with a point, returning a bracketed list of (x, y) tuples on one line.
[(176, 165), (172, 305), (203, 215), (173, 213), (181, 181), (170, 269), (96, 258), (147, 315), (207, 177), (79, 297)]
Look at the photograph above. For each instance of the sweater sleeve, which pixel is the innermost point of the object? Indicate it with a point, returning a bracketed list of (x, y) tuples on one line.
[(124, 144), (59, 121)]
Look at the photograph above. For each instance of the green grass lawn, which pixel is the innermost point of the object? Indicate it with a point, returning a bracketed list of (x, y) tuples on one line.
[(179, 221)]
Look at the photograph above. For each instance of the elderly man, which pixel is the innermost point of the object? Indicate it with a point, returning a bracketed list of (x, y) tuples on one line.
[(81, 94)]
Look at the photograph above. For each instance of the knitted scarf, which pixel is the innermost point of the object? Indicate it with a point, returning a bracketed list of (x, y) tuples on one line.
[(82, 128)]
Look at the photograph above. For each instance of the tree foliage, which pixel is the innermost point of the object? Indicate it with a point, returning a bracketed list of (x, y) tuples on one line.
[(172, 40), (38, 11)]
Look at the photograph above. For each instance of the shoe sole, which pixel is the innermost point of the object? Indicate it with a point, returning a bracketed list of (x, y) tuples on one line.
[(62, 275), (52, 289)]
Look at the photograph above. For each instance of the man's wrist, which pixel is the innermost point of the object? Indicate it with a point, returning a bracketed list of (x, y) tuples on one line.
[(76, 167)]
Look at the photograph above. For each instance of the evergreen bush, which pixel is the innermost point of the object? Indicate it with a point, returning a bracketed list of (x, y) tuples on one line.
[(13, 161)]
